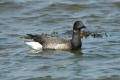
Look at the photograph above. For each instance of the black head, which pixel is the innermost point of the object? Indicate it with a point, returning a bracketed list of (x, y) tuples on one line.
[(78, 25)]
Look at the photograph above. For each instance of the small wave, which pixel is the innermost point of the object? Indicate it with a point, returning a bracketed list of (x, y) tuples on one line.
[(10, 4), (67, 6), (12, 1)]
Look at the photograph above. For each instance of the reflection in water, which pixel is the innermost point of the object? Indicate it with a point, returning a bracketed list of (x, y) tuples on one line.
[(77, 52)]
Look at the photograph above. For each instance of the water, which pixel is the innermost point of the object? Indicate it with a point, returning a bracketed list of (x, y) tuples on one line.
[(98, 60)]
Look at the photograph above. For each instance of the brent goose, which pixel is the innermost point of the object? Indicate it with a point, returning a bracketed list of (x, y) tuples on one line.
[(61, 43)]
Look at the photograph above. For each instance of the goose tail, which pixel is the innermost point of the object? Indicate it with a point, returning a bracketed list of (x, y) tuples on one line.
[(31, 35)]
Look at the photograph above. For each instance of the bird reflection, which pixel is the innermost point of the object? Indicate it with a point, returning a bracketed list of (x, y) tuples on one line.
[(77, 52)]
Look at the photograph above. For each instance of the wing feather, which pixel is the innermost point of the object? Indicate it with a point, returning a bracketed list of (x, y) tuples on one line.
[(52, 42)]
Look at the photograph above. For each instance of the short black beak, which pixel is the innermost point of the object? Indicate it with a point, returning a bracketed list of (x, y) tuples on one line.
[(84, 27)]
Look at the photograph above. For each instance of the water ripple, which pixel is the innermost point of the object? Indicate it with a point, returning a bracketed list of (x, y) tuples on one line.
[(97, 60)]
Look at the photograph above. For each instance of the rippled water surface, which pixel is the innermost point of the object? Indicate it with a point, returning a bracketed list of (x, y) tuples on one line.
[(99, 58)]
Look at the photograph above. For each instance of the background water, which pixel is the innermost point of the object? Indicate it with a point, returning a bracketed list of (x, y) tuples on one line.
[(99, 58)]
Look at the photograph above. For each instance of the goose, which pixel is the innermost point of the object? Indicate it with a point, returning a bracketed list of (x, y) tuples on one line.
[(57, 43)]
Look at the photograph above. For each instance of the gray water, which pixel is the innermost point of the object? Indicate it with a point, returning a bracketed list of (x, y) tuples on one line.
[(99, 58)]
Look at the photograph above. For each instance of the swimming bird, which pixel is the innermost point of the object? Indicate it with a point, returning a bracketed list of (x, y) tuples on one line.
[(60, 43)]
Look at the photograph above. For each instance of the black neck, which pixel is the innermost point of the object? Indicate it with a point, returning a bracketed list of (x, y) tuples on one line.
[(76, 41)]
